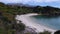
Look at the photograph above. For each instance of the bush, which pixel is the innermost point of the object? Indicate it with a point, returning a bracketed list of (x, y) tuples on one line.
[(45, 32), (57, 32)]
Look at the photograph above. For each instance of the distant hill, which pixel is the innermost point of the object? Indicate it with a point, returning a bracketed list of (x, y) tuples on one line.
[(20, 4), (45, 10), (8, 23)]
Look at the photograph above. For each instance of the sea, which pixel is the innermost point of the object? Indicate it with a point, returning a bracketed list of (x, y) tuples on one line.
[(48, 21)]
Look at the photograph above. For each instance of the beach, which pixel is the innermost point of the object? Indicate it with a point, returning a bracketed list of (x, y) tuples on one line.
[(30, 22)]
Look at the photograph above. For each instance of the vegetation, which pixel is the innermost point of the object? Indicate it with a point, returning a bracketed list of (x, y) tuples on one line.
[(45, 32), (57, 32), (8, 24), (48, 10)]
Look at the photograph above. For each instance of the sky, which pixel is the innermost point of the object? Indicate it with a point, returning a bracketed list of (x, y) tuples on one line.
[(54, 3)]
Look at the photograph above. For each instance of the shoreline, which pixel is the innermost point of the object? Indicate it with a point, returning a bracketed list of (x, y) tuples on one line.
[(29, 22)]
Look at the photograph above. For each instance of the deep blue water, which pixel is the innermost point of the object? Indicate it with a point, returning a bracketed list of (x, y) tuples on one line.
[(49, 21)]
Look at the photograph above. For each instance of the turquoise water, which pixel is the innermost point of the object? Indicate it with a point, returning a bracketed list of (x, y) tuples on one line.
[(49, 21)]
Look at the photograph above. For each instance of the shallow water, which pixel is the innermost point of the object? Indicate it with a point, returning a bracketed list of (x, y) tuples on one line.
[(49, 21)]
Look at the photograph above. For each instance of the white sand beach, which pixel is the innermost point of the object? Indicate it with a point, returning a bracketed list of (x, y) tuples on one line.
[(29, 22)]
